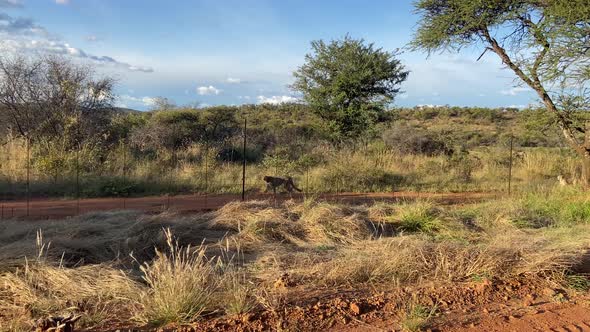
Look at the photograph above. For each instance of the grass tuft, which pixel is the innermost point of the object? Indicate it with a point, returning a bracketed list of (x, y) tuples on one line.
[(181, 283), (420, 216), (417, 317)]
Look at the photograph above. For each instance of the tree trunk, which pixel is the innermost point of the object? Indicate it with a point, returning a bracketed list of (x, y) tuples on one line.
[(586, 158), (582, 148)]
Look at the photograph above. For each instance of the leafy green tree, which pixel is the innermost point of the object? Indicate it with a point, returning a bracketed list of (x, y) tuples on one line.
[(546, 43), (348, 83)]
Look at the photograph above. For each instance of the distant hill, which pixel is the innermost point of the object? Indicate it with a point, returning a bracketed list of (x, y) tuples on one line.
[(123, 110)]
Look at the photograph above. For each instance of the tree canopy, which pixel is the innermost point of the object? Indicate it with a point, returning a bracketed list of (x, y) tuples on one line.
[(348, 83), (53, 98), (546, 43)]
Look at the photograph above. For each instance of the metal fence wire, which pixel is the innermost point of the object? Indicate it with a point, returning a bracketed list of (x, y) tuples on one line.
[(52, 187)]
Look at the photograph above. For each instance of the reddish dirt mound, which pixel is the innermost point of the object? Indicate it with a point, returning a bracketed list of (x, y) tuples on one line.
[(522, 304), (54, 209)]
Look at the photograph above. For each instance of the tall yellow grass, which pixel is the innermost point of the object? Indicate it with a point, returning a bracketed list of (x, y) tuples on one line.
[(368, 169)]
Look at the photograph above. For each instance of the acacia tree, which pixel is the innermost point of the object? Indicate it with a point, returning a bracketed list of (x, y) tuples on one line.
[(52, 98), (348, 83), (546, 43)]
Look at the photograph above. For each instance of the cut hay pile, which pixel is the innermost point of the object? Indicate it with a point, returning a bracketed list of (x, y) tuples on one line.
[(243, 256)]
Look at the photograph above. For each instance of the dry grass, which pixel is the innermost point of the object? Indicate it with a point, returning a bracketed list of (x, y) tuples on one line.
[(317, 244), (101, 237), (237, 292), (310, 223), (328, 224), (375, 169), (180, 284), (416, 259), (40, 289)]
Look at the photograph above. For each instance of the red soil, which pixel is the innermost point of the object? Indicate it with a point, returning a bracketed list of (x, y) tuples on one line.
[(521, 304), (55, 208)]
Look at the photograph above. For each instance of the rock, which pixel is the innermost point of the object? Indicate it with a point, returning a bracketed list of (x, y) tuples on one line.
[(548, 291), (355, 308)]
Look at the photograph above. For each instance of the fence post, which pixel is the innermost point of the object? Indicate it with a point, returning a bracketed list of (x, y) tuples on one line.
[(307, 181), (125, 175), (28, 174), (77, 177), (510, 166), (244, 163), (206, 172), (5, 178)]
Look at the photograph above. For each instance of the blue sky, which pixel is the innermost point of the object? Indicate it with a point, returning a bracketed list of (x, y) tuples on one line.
[(233, 52)]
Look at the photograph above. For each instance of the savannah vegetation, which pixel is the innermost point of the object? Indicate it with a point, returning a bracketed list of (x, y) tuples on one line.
[(72, 134), (544, 43), (254, 260), (123, 268)]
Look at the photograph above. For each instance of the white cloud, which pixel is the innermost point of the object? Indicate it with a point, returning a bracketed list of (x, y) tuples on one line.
[(232, 80), (208, 90), (517, 106), (403, 96), (19, 35), (124, 100), (515, 91), (429, 106), (276, 99), (62, 2), (65, 49)]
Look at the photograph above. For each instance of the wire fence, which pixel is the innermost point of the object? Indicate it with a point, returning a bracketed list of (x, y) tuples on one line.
[(126, 182)]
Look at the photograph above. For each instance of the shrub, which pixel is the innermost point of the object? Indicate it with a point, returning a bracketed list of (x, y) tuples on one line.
[(410, 140)]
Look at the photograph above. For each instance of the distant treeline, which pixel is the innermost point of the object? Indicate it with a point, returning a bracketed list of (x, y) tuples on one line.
[(293, 128)]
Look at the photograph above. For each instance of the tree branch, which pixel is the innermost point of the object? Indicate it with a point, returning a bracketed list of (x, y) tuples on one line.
[(565, 124), (541, 39)]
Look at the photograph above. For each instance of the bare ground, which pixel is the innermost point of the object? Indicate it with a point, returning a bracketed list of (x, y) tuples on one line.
[(55, 209), (525, 304)]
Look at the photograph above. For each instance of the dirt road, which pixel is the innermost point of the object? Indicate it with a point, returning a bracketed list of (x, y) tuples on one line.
[(55, 208)]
